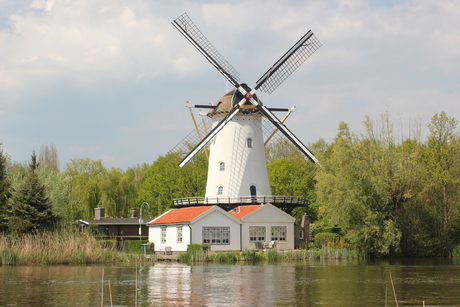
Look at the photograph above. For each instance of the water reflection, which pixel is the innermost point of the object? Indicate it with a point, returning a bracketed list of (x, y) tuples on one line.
[(327, 283)]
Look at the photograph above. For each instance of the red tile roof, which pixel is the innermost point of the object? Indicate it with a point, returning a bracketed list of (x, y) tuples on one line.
[(182, 215), (242, 211)]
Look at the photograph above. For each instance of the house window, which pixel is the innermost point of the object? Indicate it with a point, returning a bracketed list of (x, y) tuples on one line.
[(279, 233), (222, 166), (249, 140), (220, 190), (163, 234), (179, 234), (256, 233), (301, 235), (216, 235)]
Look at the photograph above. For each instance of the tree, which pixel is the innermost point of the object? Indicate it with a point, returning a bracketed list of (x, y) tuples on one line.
[(165, 181), (84, 178), (356, 192), (29, 207), (49, 157), (4, 189), (294, 177), (442, 160)]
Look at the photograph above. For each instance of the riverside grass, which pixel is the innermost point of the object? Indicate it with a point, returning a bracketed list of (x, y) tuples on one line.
[(57, 247), (272, 255)]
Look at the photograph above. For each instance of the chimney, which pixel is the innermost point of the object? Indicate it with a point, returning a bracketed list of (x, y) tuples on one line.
[(133, 213), (99, 212), (305, 224)]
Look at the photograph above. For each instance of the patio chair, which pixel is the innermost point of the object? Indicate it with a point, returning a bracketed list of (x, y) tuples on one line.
[(271, 245), (258, 245), (168, 250)]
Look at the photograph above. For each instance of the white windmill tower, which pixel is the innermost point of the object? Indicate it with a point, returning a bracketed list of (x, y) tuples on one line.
[(237, 171)]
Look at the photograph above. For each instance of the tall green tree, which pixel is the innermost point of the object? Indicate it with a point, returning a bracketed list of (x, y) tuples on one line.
[(29, 208), (84, 177), (165, 181), (442, 159), (364, 186), (4, 189)]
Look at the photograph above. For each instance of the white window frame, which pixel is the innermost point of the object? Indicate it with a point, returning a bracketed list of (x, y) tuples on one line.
[(249, 142), (222, 166), (279, 233), (257, 233), (163, 234), (220, 190), (301, 234), (179, 234), (216, 235)]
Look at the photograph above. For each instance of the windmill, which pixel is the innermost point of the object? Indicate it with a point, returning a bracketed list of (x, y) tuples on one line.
[(237, 171)]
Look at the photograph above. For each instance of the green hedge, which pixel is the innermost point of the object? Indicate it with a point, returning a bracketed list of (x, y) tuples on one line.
[(318, 230), (134, 246)]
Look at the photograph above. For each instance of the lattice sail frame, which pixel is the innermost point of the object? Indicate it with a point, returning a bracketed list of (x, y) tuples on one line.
[(288, 63), (202, 44)]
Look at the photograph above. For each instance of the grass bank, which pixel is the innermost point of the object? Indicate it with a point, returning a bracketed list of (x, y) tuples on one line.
[(58, 247), (271, 255)]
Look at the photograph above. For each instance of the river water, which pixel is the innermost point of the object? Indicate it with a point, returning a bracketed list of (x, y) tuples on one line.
[(435, 282)]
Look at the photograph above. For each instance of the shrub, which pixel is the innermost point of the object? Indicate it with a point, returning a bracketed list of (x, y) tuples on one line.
[(194, 248), (324, 239), (134, 246), (456, 251), (319, 230), (250, 255)]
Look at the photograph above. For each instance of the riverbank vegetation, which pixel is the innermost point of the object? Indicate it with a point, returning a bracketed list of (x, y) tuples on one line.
[(58, 247), (384, 192), (271, 255)]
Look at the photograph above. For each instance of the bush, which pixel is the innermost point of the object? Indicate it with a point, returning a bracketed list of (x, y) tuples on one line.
[(319, 230), (456, 251), (194, 248), (134, 246), (250, 255), (325, 239)]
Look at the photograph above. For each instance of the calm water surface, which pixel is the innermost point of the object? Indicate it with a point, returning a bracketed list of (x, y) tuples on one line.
[(317, 283)]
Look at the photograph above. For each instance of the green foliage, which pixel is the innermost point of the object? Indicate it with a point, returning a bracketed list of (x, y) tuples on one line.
[(328, 229), (194, 248), (325, 239), (4, 189), (250, 255), (443, 179), (456, 251), (29, 207), (90, 185), (134, 246), (292, 175), (165, 181)]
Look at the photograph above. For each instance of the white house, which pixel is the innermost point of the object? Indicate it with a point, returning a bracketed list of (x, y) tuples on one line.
[(211, 225), (237, 229), (265, 223)]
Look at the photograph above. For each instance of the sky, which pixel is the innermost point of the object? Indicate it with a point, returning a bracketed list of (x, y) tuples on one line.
[(108, 79)]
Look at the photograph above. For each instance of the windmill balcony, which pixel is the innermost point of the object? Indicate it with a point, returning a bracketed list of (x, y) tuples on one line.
[(287, 203)]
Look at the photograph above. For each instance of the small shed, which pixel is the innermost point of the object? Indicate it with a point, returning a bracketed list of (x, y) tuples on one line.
[(118, 228)]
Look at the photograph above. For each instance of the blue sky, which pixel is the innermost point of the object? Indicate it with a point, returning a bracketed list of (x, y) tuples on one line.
[(109, 79)]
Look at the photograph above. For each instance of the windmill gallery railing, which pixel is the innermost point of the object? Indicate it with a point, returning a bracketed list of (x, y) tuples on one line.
[(229, 202)]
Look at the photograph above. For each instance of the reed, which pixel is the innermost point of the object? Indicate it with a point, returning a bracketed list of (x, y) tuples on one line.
[(271, 255), (57, 247)]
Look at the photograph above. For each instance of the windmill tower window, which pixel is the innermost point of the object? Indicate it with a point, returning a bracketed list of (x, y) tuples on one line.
[(222, 166), (220, 190), (249, 140)]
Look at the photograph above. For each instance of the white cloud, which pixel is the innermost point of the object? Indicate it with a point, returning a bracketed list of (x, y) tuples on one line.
[(103, 78)]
